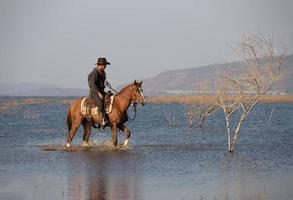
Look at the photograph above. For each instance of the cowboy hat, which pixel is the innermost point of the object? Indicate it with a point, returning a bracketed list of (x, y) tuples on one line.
[(102, 61)]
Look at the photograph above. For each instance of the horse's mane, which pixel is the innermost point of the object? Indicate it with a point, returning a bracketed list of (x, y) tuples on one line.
[(125, 88)]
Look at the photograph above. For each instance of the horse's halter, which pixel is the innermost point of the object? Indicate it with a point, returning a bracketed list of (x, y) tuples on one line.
[(137, 97)]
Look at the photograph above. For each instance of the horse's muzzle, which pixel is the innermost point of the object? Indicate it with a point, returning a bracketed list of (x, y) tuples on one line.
[(143, 102)]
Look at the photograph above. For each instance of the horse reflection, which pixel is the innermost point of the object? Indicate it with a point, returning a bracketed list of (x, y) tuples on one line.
[(104, 175)]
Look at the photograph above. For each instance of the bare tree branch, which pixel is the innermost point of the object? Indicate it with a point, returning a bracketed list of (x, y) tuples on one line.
[(262, 67)]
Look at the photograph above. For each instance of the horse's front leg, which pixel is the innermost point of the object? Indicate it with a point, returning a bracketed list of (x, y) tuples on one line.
[(114, 135), (87, 131), (127, 133)]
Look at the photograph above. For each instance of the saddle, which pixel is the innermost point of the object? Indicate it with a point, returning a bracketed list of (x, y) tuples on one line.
[(108, 102), (89, 107)]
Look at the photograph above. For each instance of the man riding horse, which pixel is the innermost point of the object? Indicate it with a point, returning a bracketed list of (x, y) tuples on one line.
[(97, 83), (117, 115)]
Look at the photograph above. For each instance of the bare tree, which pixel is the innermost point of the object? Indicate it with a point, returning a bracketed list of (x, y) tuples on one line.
[(205, 111), (198, 113), (191, 113), (205, 106), (170, 117), (241, 91)]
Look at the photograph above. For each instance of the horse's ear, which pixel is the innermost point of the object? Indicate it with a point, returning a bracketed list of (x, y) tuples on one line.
[(140, 83), (135, 83)]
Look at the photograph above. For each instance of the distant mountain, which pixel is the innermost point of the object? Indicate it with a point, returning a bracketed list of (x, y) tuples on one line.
[(181, 81), (188, 81), (38, 89)]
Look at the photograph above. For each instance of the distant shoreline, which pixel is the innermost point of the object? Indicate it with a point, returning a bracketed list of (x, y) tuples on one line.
[(7, 102), (179, 99)]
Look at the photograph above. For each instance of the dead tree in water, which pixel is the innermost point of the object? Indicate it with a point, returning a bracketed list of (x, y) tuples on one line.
[(206, 105), (206, 111), (171, 118), (191, 113), (262, 67), (198, 113)]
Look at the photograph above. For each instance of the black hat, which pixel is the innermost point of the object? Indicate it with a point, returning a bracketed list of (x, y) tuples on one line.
[(102, 61)]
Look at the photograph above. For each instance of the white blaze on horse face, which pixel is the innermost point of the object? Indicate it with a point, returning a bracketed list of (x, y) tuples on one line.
[(141, 93)]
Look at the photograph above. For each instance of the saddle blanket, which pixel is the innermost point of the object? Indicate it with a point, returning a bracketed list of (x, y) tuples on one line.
[(94, 111), (108, 107)]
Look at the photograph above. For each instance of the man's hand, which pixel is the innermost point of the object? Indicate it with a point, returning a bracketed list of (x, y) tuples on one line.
[(108, 84), (101, 95)]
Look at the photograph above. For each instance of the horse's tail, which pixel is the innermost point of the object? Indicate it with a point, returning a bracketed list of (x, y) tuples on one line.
[(69, 122)]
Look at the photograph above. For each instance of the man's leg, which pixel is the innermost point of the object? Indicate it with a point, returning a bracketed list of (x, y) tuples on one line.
[(98, 101), (102, 109), (103, 114)]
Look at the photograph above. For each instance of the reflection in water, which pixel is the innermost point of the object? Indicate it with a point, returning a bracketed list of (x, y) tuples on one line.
[(104, 175), (238, 174), (163, 162)]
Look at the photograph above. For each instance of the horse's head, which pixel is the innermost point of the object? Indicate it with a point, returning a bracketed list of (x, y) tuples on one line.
[(137, 93)]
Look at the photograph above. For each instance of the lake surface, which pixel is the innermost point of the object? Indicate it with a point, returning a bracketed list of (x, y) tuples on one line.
[(162, 162)]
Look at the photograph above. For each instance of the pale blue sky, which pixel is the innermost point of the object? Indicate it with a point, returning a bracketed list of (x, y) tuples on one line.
[(57, 42)]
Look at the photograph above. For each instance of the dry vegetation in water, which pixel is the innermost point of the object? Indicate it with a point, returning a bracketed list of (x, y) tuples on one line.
[(15, 103), (11, 104)]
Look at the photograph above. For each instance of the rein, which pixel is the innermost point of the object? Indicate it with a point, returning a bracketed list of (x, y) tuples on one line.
[(134, 108), (109, 86), (134, 104), (137, 100)]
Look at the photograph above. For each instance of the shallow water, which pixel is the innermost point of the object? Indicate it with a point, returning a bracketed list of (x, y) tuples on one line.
[(161, 162)]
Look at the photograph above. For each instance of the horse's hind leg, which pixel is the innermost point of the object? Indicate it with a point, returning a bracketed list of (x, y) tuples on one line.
[(127, 133), (75, 125), (87, 131)]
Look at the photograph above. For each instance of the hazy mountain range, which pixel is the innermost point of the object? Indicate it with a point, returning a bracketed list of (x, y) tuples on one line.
[(181, 81), (39, 89), (191, 80)]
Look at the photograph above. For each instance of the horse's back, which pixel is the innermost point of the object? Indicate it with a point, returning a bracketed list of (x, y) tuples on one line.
[(75, 105), (75, 102)]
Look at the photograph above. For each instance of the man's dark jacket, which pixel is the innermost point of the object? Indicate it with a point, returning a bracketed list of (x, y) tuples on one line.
[(96, 81)]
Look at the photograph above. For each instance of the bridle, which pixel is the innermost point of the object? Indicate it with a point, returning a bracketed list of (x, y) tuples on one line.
[(132, 102), (136, 100)]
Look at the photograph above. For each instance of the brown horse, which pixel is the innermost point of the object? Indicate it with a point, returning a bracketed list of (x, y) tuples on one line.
[(131, 94)]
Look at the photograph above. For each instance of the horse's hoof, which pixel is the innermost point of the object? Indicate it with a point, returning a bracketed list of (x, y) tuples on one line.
[(125, 144), (85, 144), (67, 145)]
